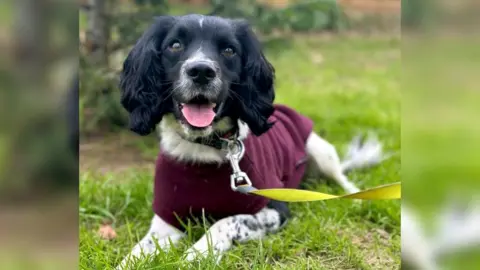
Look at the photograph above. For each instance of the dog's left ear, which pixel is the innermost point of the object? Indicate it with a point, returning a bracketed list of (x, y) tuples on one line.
[(257, 90)]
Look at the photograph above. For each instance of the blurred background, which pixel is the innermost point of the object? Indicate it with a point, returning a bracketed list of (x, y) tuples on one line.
[(38, 156)]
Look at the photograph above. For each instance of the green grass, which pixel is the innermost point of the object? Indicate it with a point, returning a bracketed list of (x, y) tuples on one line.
[(346, 85)]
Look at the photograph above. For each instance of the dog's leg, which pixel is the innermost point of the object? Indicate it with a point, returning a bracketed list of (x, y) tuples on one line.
[(160, 236), (359, 155), (239, 228)]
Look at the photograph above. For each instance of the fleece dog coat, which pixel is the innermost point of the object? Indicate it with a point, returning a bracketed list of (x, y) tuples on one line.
[(276, 159)]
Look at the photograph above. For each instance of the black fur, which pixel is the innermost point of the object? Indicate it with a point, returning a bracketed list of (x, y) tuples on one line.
[(151, 70), (142, 80), (257, 82)]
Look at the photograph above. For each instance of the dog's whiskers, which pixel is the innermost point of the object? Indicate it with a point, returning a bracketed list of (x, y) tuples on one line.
[(171, 90)]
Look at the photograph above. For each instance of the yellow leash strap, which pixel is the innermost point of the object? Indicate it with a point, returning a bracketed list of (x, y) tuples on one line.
[(236, 149), (384, 192)]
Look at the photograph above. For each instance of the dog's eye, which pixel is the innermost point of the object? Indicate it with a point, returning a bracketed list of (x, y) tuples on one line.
[(228, 52), (175, 46)]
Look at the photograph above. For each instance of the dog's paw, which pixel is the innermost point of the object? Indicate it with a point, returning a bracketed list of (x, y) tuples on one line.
[(137, 253), (202, 250), (192, 255), (127, 263), (124, 265), (353, 189)]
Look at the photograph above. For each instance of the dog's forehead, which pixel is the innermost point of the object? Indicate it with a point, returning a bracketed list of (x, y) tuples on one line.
[(206, 24)]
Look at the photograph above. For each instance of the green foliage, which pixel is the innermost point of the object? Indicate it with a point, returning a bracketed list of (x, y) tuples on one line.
[(99, 100), (300, 16), (412, 13), (419, 15), (151, 2), (128, 25)]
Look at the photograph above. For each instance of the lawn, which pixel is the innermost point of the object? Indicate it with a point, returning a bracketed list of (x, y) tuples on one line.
[(346, 85)]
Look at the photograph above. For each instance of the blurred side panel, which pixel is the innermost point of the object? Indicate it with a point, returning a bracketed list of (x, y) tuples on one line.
[(38, 134), (441, 133)]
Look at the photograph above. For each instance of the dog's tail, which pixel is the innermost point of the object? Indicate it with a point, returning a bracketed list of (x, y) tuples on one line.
[(363, 153), (417, 252), (459, 229)]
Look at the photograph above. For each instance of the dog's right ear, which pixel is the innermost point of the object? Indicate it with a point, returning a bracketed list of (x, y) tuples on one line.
[(142, 90)]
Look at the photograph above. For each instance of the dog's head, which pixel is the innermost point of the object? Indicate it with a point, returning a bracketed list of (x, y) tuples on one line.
[(202, 71)]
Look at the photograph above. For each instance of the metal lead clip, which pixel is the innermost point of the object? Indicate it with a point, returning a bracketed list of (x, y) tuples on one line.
[(236, 149)]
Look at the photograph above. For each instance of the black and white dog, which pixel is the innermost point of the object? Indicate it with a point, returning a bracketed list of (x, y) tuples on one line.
[(201, 78)]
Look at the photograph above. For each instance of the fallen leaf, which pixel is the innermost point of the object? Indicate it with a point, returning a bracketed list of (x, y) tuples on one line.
[(107, 232)]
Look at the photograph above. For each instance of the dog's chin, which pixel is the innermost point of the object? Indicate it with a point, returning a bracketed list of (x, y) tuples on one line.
[(193, 132), (190, 132)]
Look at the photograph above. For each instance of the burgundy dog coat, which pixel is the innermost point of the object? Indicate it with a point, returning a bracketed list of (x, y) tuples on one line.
[(276, 159)]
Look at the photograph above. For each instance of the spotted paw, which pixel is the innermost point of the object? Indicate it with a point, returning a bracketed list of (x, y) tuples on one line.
[(201, 251)]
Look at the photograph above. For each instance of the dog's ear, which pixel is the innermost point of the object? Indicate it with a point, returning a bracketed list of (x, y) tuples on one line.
[(141, 79), (257, 90)]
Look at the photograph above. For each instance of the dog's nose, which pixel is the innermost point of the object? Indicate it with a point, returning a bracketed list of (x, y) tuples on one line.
[(201, 73)]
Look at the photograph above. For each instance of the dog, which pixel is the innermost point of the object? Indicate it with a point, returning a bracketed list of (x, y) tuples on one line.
[(202, 80), (457, 230)]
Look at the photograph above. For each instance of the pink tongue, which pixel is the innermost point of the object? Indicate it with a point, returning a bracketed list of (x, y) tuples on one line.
[(198, 115)]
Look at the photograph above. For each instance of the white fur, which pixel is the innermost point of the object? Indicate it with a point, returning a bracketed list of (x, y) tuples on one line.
[(240, 228), (363, 155), (216, 241), (185, 83), (325, 156), (416, 249), (457, 231), (198, 56), (186, 151), (160, 234)]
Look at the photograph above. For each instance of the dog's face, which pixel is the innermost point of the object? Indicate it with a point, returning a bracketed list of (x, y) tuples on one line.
[(200, 71), (202, 57)]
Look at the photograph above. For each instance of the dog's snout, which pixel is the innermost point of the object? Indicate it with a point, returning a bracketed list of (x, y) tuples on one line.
[(201, 73)]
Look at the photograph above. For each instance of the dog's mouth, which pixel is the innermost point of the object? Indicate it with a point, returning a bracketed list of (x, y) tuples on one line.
[(198, 112)]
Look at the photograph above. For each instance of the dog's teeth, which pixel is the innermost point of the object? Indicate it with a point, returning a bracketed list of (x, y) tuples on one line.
[(213, 105)]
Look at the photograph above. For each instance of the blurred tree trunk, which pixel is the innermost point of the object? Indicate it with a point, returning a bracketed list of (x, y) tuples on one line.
[(98, 32), (31, 39)]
